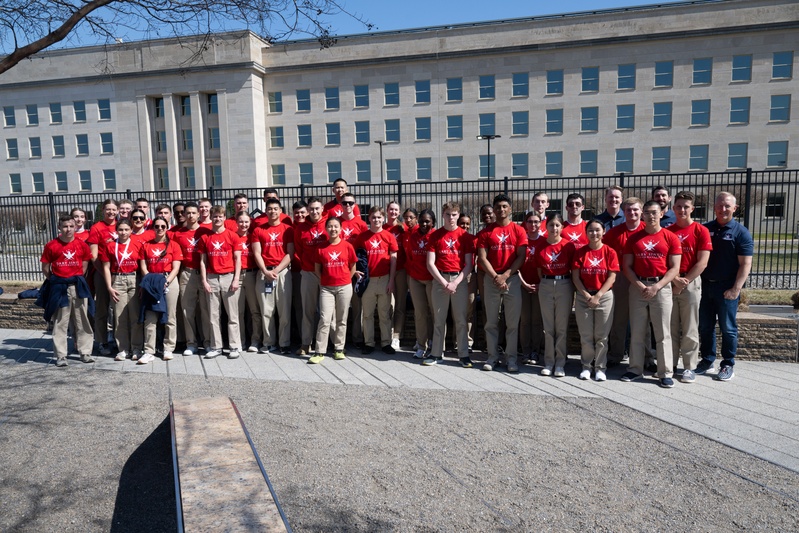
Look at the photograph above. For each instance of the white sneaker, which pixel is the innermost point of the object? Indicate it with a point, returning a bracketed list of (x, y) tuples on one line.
[(121, 356), (234, 354), (420, 353), (168, 356), (559, 372), (252, 349), (189, 351), (600, 376), (210, 354), (395, 344), (146, 358), (546, 371), (585, 374)]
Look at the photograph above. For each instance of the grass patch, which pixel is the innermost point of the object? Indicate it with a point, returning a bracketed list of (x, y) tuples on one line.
[(768, 297)]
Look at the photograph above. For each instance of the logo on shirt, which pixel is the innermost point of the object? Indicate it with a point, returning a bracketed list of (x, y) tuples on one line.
[(375, 244), (193, 242), (649, 245), (113, 235), (574, 237), (347, 232), (156, 252), (245, 245), (217, 245), (553, 256), (682, 237), (69, 255), (274, 236), (126, 256), (450, 243), (503, 237), (334, 255), (315, 233), (337, 212), (422, 244), (594, 263)]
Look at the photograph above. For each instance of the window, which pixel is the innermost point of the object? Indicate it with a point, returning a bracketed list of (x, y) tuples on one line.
[(82, 142), (625, 117), (104, 108), (362, 135), (61, 182), (454, 89), (741, 68), (487, 124), (700, 113), (554, 82), (520, 165), (306, 173), (777, 154), (188, 178), (361, 96), (424, 168), (454, 127), (782, 68), (85, 178), (106, 143), (521, 122), (661, 159), (215, 173), (521, 84), (393, 169), (35, 144), (422, 91), (391, 95), (110, 179), (589, 119), (304, 135), (590, 83), (33, 114), (38, 182), (363, 171), (185, 107), (626, 77), (158, 105), (188, 139), (303, 99), (664, 73), (624, 160), (333, 171), (553, 163), (775, 206), (737, 155), (392, 130), (487, 87), (79, 108), (214, 141), (455, 167), (697, 157), (55, 113), (780, 108), (332, 134), (554, 121), (703, 71), (58, 146), (9, 118), (276, 137), (275, 102), (739, 110), (12, 149), (160, 141), (588, 161), (331, 98), (162, 178), (488, 166), (662, 115), (213, 109), (16, 183), (278, 174), (422, 128)]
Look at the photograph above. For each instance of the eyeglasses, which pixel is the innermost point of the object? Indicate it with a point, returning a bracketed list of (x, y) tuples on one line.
[(138, 217), (348, 203), (159, 227)]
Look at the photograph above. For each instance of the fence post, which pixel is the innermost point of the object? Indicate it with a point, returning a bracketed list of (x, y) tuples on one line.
[(302, 191), (748, 197), (53, 219), (505, 185), (211, 194), (399, 192), (621, 179), (128, 194)]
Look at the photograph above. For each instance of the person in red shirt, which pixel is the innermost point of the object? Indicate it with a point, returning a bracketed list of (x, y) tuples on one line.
[(539, 205), (501, 249), (65, 260), (531, 328), (139, 232), (465, 223), (120, 264), (450, 253), (143, 205), (299, 213), (249, 299), (102, 232), (352, 226), (333, 207), (555, 295), (162, 255), (79, 216), (574, 228), (334, 266), (241, 204), (420, 281), (686, 288), (263, 219), (272, 247), (193, 303), (651, 262), (395, 225), (594, 270), (381, 251), (309, 236), (204, 207)]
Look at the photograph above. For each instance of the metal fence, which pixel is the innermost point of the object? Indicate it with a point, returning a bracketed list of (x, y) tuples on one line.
[(767, 201)]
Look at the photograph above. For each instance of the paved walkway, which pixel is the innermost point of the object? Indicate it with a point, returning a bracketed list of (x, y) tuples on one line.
[(757, 412)]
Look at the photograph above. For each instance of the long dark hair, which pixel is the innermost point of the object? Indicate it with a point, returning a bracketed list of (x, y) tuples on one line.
[(166, 235)]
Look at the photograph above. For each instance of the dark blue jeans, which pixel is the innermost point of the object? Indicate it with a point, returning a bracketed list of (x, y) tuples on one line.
[(713, 307)]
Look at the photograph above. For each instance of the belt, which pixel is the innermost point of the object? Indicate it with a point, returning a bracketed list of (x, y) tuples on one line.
[(123, 273), (556, 277), (654, 279), (250, 269), (683, 274), (218, 274), (450, 273), (193, 270), (592, 293), (269, 267)]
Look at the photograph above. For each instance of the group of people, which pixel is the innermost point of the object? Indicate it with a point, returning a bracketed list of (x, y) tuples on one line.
[(639, 268)]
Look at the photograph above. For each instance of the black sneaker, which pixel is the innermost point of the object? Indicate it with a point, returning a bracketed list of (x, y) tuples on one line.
[(651, 367), (285, 350), (666, 383), (465, 362), (630, 376), (703, 367), (389, 349), (366, 350)]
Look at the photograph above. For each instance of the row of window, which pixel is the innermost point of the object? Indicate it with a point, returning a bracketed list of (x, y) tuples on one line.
[(211, 101), (62, 182), (56, 113), (702, 74), (187, 140), (187, 177), (58, 146)]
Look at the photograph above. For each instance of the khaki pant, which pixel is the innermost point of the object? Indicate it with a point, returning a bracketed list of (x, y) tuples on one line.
[(400, 300), (151, 321), (102, 302), (376, 296), (249, 301), (76, 312), (221, 295), (334, 303), (555, 297), (128, 333), (621, 317), (422, 298), (594, 327), (685, 325), (310, 303), (442, 302), (296, 300), (191, 296), (512, 302), (531, 328), (277, 330), (658, 311)]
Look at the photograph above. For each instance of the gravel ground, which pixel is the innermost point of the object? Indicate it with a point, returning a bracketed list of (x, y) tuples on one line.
[(84, 450)]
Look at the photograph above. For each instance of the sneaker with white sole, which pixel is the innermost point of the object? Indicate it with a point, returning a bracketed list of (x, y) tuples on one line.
[(585, 374), (61, 362), (234, 353), (190, 350), (210, 354), (87, 358), (121, 356), (559, 372), (546, 371), (430, 361), (146, 358), (252, 349), (705, 366), (395, 343), (688, 376), (168, 356), (725, 373), (420, 354), (600, 376)]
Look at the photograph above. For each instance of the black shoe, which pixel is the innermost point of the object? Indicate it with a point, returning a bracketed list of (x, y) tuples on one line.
[(465, 362), (666, 383), (630, 376), (366, 350), (389, 350), (703, 366), (285, 350), (651, 367)]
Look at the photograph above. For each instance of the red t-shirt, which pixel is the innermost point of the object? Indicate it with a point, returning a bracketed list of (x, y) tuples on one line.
[(244, 247), (595, 265), (651, 252), (219, 248), (123, 258), (188, 239), (500, 244), (529, 268), (617, 236), (378, 248), (555, 259), (575, 234), (309, 237), (693, 239), (352, 229), (157, 259), (83, 235), (450, 248), (274, 242), (263, 220), (66, 258), (145, 236), (336, 261), (398, 231), (333, 209), (101, 232), (415, 246)]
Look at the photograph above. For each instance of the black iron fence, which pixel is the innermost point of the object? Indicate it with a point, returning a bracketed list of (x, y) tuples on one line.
[(767, 201)]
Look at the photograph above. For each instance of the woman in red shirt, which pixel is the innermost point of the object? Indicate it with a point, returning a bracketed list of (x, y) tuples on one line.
[(248, 299), (334, 266), (420, 281), (161, 255), (138, 223), (531, 328), (555, 295), (79, 216), (593, 273), (400, 296)]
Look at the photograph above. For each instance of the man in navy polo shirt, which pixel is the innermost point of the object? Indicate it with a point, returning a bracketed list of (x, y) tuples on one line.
[(727, 269)]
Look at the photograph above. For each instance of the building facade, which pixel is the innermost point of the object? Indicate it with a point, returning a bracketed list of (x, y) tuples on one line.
[(688, 87)]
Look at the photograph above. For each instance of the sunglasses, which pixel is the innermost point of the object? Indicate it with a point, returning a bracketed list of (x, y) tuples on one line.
[(348, 203), (137, 218)]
